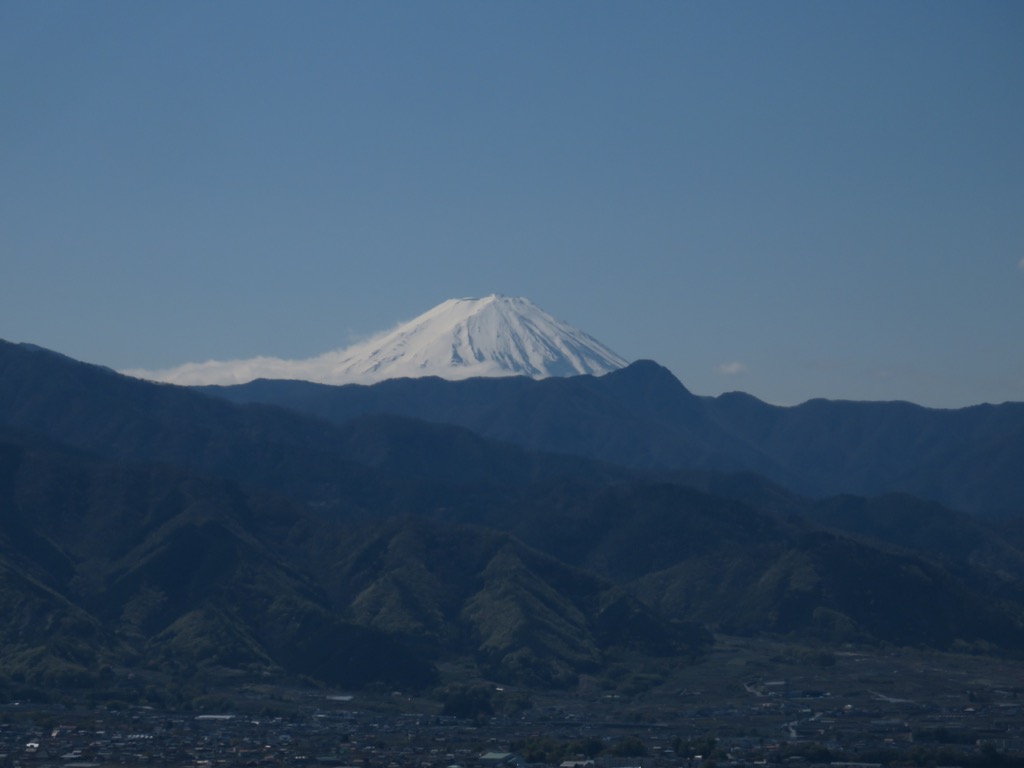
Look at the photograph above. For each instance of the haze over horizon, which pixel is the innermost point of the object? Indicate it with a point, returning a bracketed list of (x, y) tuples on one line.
[(794, 199)]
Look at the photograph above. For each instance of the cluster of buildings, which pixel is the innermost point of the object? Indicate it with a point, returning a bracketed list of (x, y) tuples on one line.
[(772, 725)]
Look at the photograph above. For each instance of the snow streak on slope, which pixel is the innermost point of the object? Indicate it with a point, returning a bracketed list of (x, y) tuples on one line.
[(461, 338)]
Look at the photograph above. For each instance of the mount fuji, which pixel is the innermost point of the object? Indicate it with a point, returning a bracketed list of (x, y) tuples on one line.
[(458, 339)]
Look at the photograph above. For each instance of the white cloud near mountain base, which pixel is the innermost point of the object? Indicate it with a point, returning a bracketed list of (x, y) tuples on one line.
[(731, 369)]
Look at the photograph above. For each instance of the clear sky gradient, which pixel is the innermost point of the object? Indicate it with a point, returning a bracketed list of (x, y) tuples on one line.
[(794, 199)]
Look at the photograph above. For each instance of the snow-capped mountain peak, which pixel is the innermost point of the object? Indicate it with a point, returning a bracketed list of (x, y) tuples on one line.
[(459, 338)]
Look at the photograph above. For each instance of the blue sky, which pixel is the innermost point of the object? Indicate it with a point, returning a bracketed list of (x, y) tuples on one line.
[(794, 199)]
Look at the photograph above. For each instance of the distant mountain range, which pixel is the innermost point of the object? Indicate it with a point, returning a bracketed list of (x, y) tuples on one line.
[(529, 531), (458, 339), (642, 417)]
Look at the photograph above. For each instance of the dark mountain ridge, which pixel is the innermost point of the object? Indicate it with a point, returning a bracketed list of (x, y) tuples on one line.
[(151, 526), (643, 417), (93, 409)]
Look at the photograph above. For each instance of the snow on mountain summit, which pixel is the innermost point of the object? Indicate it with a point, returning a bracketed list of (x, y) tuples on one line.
[(492, 336), (458, 339)]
